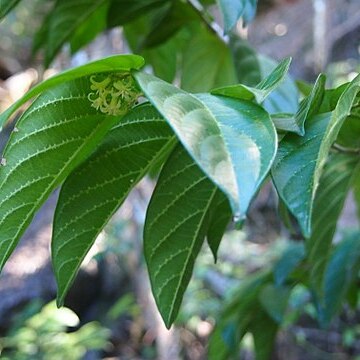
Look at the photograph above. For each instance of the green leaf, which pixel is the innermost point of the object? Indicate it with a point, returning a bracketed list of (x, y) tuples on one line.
[(340, 273), (286, 122), (220, 216), (57, 132), (215, 130), (264, 330), (177, 16), (124, 11), (176, 224), (310, 105), (349, 135), (356, 191), (207, 63), (236, 317), (6, 6), (274, 300), (289, 260), (334, 186), (62, 22), (246, 62), (110, 64), (233, 10), (97, 188), (285, 98), (262, 90), (90, 28), (300, 160)]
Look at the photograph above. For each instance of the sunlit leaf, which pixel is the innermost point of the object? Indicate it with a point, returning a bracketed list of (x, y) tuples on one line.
[(96, 189), (57, 132), (233, 141), (299, 162), (111, 64)]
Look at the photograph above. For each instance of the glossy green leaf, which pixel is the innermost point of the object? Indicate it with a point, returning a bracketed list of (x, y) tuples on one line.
[(285, 122), (334, 186), (310, 105), (176, 224), (111, 64), (262, 90), (341, 271), (233, 10), (300, 160), (285, 98), (220, 217), (6, 6), (97, 188), (206, 63), (57, 132), (252, 68), (288, 261), (64, 19), (233, 141)]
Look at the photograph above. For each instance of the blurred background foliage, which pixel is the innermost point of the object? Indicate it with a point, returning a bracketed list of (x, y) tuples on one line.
[(112, 312)]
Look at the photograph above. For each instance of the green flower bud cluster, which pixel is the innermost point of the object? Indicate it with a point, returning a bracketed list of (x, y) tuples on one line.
[(114, 94)]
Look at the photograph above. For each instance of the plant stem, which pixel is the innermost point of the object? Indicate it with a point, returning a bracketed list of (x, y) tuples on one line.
[(344, 149)]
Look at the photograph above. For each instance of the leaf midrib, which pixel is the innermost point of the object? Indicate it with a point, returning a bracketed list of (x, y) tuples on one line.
[(47, 191), (172, 140)]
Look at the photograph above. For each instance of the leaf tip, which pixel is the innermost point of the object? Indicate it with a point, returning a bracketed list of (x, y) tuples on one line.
[(60, 300)]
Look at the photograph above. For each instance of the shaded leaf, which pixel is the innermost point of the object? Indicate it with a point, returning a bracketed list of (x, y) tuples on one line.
[(64, 19), (90, 28), (110, 64), (236, 317), (220, 216), (215, 130), (340, 273), (97, 188), (246, 62), (334, 186), (300, 160), (178, 15), (349, 135), (124, 11), (57, 132), (206, 63), (176, 224), (289, 260), (274, 300), (264, 330)]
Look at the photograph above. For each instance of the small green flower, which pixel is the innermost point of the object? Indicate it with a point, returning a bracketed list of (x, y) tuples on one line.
[(99, 86), (114, 95)]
